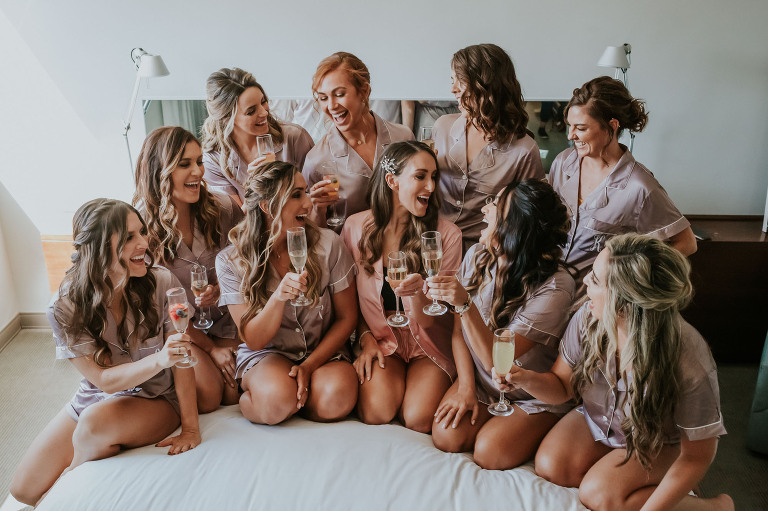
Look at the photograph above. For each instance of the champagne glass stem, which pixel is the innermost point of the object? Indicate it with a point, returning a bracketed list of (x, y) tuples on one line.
[(502, 399)]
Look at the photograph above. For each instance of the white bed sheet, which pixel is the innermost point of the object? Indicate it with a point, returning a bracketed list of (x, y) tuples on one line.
[(302, 465)]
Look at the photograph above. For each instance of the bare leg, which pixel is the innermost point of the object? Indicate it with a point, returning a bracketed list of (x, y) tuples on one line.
[(611, 485), (381, 397), (119, 423), (425, 386), (269, 395), (208, 382), (48, 456), (333, 392), (568, 451), (461, 438), (508, 442)]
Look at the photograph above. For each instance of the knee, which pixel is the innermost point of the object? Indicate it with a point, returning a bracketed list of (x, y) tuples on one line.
[(375, 414), (273, 404), (417, 420), (21, 490), (489, 456), (553, 468), (597, 495), (448, 439), (335, 399)]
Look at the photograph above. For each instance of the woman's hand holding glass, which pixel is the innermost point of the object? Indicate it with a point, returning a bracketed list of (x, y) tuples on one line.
[(175, 349), (363, 364), (457, 401), (411, 285), (209, 297), (323, 194), (255, 163), (516, 378), (291, 286), (447, 288)]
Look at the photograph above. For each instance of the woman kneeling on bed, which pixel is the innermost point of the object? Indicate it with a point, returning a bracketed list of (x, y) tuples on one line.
[(293, 357), (110, 319), (648, 427), (404, 367), (513, 280)]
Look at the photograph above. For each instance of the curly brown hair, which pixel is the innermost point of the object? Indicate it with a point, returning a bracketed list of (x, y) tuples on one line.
[(493, 96)]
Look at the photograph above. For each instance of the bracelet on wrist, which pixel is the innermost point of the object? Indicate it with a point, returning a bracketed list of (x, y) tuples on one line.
[(360, 337), (461, 309)]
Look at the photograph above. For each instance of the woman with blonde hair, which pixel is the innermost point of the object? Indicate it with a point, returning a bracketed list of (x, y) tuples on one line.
[(110, 319), (187, 227), (402, 370), (292, 357), (514, 280), (356, 140), (606, 190), (238, 113), (485, 146), (648, 426)]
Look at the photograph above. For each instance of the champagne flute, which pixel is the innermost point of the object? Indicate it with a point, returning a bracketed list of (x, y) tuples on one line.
[(265, 147), (503, 358), (397, 269), (297, 251), (432, 255), (425, 136), (178, 310), (337, 211), (199, 285)]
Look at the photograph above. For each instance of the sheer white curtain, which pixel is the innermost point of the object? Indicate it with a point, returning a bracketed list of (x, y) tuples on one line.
[(189, 114)]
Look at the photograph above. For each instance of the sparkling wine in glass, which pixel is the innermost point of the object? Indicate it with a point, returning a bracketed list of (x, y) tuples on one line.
[(425, 136), (503, 358), (265, 147), (432, 257), (199, 285), (297, 251), (178, 310), (337, 212), (397, 269)]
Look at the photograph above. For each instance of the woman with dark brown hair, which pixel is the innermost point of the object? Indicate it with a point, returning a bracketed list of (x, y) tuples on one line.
[(606, 190), (485, 146)]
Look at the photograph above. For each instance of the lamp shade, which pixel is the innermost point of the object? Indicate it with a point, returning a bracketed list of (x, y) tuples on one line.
[(151, 66), (614, 56)]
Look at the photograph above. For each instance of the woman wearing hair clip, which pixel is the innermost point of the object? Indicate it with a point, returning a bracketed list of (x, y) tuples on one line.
[(187, 227), (293, 357), (606, 191), (342, 87), (110, 319), (513, 280), (485, 146), (402, 370), (238, 113), (648, 426)]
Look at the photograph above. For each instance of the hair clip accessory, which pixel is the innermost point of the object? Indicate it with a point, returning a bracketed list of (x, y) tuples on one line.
[(388, 164)]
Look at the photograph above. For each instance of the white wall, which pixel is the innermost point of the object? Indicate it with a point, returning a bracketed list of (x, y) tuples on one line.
[(9, 307), (702, 67)]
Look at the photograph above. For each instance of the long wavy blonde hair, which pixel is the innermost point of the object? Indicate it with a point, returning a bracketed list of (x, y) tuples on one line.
[(647, 284), (223, 89), (160, 155), (255, 236), (380, 198), (90, 289)]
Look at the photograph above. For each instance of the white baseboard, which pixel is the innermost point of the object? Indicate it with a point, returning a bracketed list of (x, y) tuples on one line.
[(22, 320), (34, 320), (11, 329)]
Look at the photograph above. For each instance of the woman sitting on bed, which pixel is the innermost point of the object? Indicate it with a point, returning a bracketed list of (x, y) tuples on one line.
[(648, 427), (110, 319), (402, 370), (187, 226), (292, 357), (514, 279)]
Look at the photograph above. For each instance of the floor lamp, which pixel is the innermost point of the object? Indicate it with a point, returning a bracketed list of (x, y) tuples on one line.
[(617, 57), (147, 66)]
